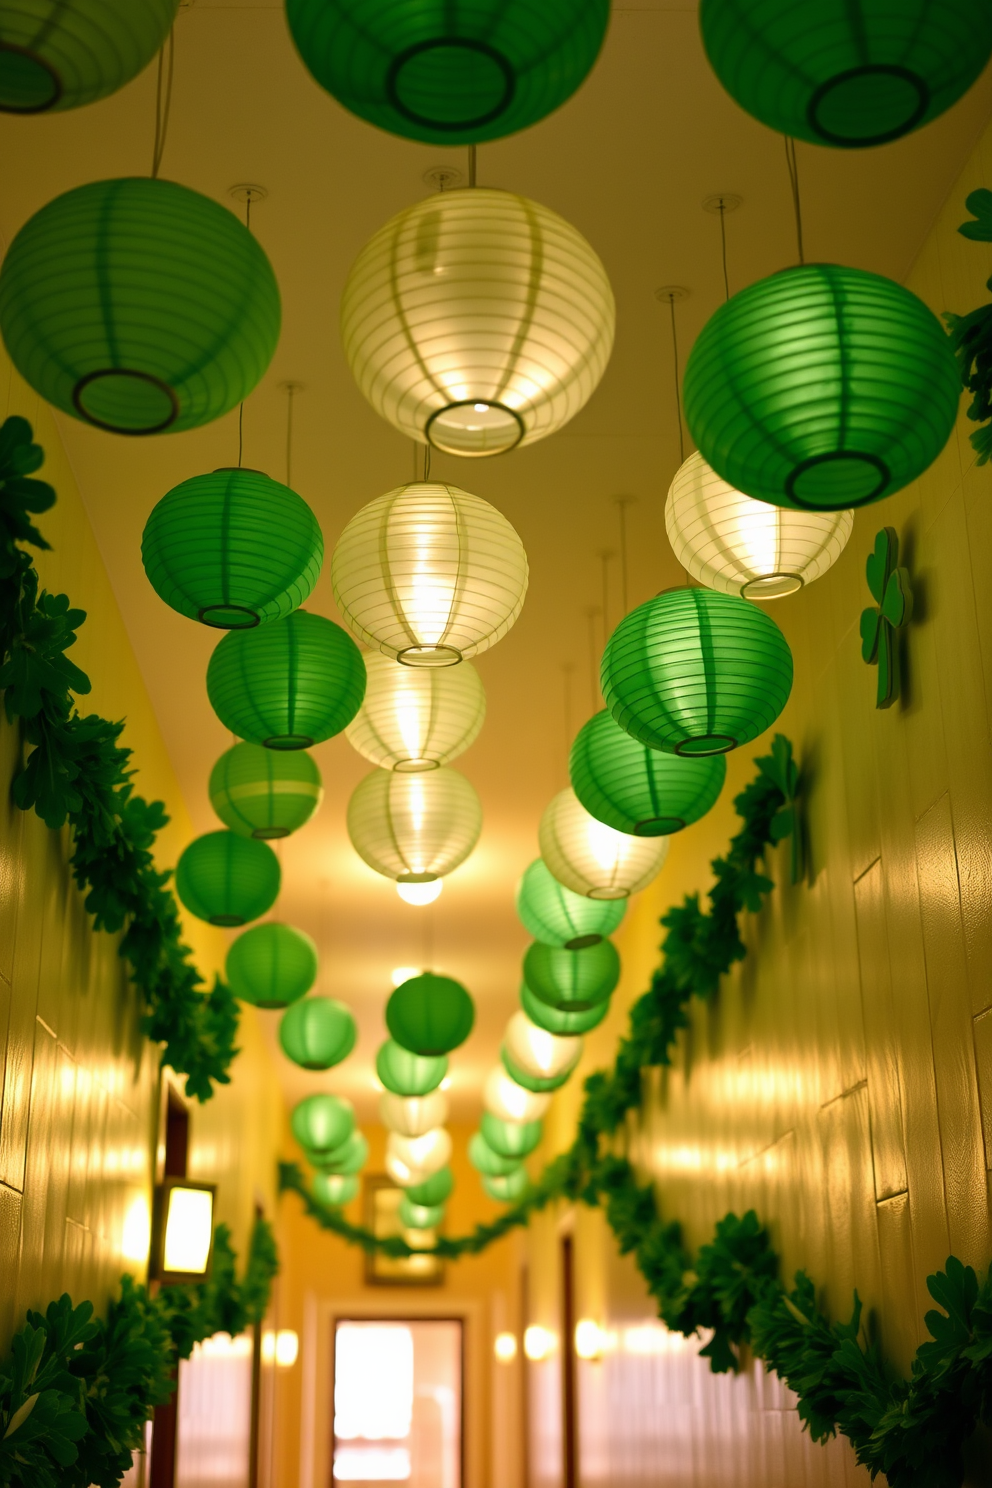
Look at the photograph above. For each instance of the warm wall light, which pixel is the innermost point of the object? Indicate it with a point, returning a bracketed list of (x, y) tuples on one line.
[(136, 1234), (588, 1339), (281, 1349), (185, 1229), (505, 1347), (420, 893), (538, 1342)]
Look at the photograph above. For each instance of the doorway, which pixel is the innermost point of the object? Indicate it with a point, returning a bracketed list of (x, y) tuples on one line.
[(398, 1403)]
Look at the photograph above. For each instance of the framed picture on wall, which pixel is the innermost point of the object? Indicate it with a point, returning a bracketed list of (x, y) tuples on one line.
[(382, 1216)]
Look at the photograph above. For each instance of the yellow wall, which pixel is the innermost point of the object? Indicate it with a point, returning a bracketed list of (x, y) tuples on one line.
[(839, 1081), (80, 1086)]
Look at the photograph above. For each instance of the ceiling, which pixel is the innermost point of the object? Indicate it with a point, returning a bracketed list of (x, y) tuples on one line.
[(629, 161)]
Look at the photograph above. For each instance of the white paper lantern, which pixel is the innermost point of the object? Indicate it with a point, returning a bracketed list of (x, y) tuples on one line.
[(429, 575), (415, 718), (411, 1160), (504, 1098), (413, 1115), (477, 320), (591, 858), (729, 541), (414, 828), (538, 1053)]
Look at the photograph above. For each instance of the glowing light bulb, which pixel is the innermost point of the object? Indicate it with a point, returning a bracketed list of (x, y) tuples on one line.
[(401, 974), (505, 1347), (538, 1343), (420, 893), (588, 1339)]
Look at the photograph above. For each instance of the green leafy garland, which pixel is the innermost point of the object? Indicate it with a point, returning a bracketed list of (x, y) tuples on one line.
[(77, 772), (971, 335), (912, 1430), (76, 1392)]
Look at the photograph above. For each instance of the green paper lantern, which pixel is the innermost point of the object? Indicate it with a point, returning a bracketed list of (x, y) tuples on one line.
[(420, 1216), (232, 549), (572, 981), (288, 684), (227, 880), (334, 1189), (516, 1139), (272, 965), (430, 1015), (434, 1190), (509, 1189), (348, 1158), (406, 1073), (61, 56), (322, 1123), (485, 1160), (696, 672), (846, 75), (536, 1084), (644, 792), (558, 1020), (556, 916), (317, 1033), (821, 388), (138, 306), (449, 72), (263, 793)]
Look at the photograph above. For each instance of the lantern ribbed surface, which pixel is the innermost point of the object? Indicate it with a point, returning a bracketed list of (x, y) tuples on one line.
[(429, 575), (423, 1155), (430, 1015), (264, 793), (348, 1158), (417, 718), (695, 672), (560, 1021), (504, 1099), (317, 1033), (272, 965), (559, 917), (414, 828), (729, 541), (288, 684), (405, 1073), (227, 880), (449, 73), (539, 1084), (62, 56), (334, 1189), (477, 320), (139, 306), (572, 980), (420, 1216), (434, 1190), (485, 1160), (515, 1139), (591, 858), (821, 388), (508, 1189), (846, 75), (413, 1115), (537, 1052), (636, 790), (322, 1123), (232, 549)]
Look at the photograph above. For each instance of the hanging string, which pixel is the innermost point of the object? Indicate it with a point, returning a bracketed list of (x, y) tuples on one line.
[(591, 615), (241, 432), (471, 164), (292, 388), (793, 165), (163, 100), (675, 358), (722, 209), (605, 555), (427, 461), (429, 936), (566, 675), (622, 503)]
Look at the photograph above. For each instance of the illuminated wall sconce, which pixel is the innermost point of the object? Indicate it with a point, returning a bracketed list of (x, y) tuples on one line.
[(281, 1349), (538, 1343), (184, 1230), (505, 1347), (590, 1341)]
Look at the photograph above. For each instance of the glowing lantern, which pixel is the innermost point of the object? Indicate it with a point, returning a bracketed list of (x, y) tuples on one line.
[(504, 1099), (485, 1160), (322, 1123), (334, 1189), (434, 1190), (350, 1157), (415, 718), (572, 980), (408, 1074), (561, 1021), (411, 1160), (508, 1189), (636, 790), (591, 858), (538, 1054), (414, 1115), (557, 916), (414, 828), (420, 1216), (509, 1138), (317, 1033)]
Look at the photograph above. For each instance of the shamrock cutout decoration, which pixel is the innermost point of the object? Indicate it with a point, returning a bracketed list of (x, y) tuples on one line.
[(889, 585)]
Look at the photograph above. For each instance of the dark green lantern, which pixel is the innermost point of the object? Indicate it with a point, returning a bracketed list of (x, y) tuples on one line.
[(317, 1033), (430, 1015), (232, 549), (420, 1216), (572, 981), (514, 1139), (56, 56), (850, 75), (436, 1189), (536, 1084), (449, 72), (821, 388), (508, 1189), (334, 1189), (406, 1073), (138, 306), (288, 684), (644, 792), (556, 916), (347, 1158), (485, 1160), (272, 965), (264, 793), (322, 1124), (227, 880), (696, 672), (558, 1020)]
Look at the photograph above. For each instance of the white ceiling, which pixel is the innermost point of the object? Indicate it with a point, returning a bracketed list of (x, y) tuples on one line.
[(629, 161)]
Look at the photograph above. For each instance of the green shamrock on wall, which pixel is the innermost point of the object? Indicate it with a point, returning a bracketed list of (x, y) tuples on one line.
[(889, 585)]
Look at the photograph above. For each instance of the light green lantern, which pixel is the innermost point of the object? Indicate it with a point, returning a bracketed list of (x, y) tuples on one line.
[(334, 1189), (560, 1021), (317, 1033), (227, 880), (264, 793), (509, 1189), (272, 965), (514, 1139), (485, 1160), (572, 980), (322, 1124), (420, 1216), (348, 1158), (404, 1073), (644, 792), (436, 1189), (558, 917)]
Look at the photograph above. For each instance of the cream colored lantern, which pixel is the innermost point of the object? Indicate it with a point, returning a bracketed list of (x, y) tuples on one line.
[(413, 1115), (540, 1054), (411, 1160), (591, 858), (414, 828), (505, 1099), (415, 718)]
